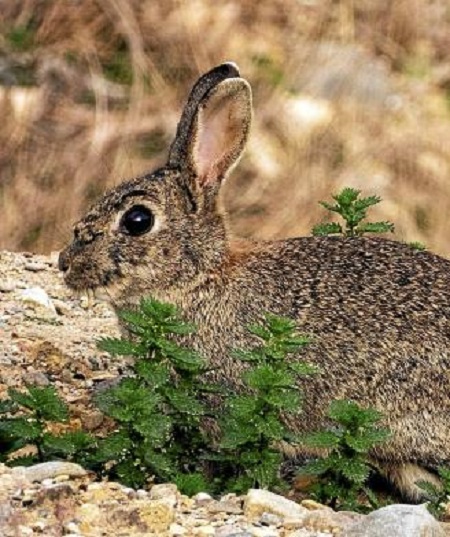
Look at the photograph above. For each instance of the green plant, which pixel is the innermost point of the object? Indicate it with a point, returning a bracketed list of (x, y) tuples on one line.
[(353, 210), (160, 408), (26, 418), (21, 38), (343, 473), (439, 497), (253, 426), (419, 246)]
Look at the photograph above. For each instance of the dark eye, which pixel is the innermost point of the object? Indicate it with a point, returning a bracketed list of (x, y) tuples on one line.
[(137, 220)]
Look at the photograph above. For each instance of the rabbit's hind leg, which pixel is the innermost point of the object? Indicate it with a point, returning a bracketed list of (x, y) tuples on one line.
[(405, 477)]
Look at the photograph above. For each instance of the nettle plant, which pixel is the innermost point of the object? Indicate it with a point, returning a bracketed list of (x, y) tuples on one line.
[(342, 475), (26, 421), (252, 428), (353, 210)]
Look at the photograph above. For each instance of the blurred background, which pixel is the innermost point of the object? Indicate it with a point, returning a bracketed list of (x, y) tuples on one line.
[(346, 93)]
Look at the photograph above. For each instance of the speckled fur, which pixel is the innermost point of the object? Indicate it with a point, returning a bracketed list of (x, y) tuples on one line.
[(377, 310)]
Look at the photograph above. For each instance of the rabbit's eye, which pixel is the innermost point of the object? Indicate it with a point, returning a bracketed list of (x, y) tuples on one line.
[(137, 220)]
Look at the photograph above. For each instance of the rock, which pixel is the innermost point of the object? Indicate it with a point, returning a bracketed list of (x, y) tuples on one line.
[(36, 378), (165, 490), (202, 498), (231, 531), (50, 470), (7, 286), (176, 530), (330, 521), (258, 502), (224, 507), (397, 521), (158, 515), (37, 296), (269, 519), (35, 266)]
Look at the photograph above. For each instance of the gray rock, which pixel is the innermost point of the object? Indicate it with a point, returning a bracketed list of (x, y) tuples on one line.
[(397, 521), (260, 501)]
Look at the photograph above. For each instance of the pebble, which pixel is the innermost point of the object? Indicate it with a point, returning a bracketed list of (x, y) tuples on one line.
[(38, 296), (175, 530), (35, 266)]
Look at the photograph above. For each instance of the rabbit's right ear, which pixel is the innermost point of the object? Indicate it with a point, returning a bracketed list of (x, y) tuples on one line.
[(214, 126)]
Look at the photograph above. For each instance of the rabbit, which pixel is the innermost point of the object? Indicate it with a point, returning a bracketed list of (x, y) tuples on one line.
[(377, 311)]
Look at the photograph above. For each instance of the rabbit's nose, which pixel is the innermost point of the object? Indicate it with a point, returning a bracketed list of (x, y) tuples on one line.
[(63, 261)]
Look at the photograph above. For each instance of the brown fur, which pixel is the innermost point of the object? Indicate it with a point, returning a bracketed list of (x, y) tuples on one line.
[(378, 311)]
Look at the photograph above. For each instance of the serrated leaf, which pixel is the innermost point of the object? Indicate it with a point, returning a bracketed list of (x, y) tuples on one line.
[(317, 467), (67, 444), (7, 406), (271, 427), (320, 440), (327, 228), (363, 442), (354, 470), (113, 447), (154, 428), (376, 227), (47, 403), (120, 347), (155, 374), (184, 402), (25, 429)]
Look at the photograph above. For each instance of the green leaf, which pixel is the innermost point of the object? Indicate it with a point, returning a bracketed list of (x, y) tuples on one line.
[(271, 427), (354, 470), (155, 374), (120, 347), (25, 429), (376, 227), (184, 402), (364, 441), (191, 484), (47, 404), (155, 428), (113, 447), (316, 467), (130, 473), (8, 406), (302, 369), (350, 414), (327, 228), (128, 401), (67, 444), (266, 377)]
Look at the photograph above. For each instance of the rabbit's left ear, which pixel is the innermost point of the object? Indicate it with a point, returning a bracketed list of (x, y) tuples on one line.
[(220, 130)]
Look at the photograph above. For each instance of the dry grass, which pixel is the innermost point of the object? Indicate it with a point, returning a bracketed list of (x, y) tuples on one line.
[(346, 93)]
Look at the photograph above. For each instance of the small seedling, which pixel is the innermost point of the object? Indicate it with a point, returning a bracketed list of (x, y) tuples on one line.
[(353, 210), (343, 473)]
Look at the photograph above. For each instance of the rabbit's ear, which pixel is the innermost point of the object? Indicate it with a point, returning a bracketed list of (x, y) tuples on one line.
[(204, 85), (214, 138)]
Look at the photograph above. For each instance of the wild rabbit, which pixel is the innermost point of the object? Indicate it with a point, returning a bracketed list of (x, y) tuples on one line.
[(377, 310)]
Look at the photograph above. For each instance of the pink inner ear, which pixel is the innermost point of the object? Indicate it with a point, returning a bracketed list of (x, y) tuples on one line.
[(216, 137)]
